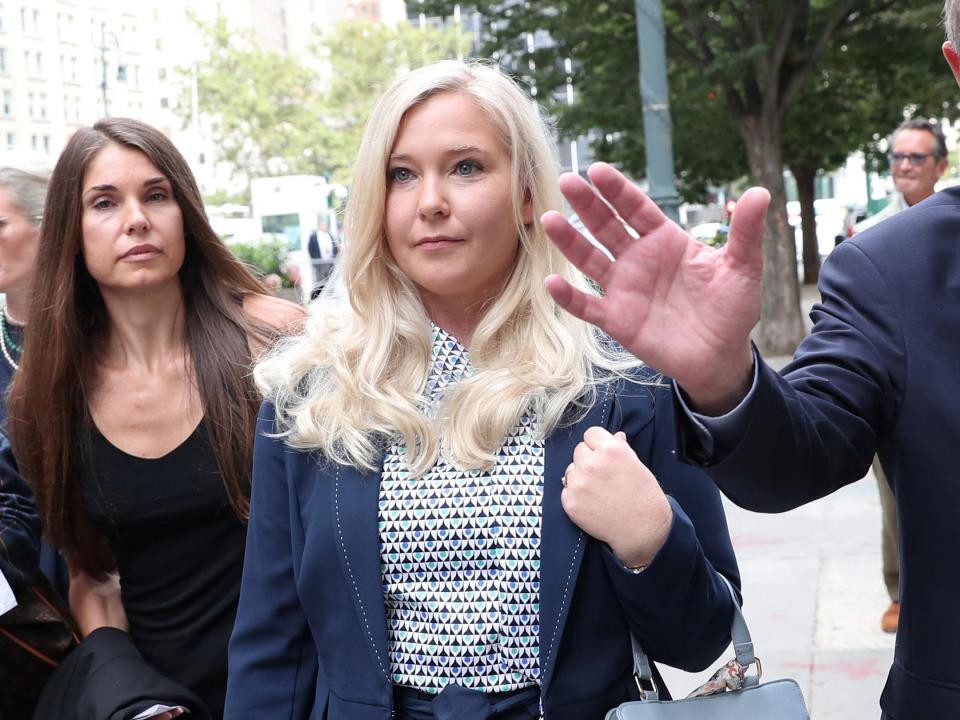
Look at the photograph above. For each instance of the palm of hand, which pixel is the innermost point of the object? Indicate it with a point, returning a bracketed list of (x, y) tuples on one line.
[(677, 304)]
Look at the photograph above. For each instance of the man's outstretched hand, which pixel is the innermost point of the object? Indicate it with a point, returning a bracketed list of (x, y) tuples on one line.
[(682, 307)]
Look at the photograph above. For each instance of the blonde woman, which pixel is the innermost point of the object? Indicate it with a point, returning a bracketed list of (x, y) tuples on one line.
[(464, 500)]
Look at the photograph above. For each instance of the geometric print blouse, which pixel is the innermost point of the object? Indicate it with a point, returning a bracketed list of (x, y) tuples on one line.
[(460, 558)]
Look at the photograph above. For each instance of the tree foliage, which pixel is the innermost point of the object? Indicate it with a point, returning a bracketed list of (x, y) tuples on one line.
[(262, 106), (275, 114), (742, 73), (862, 89), (364, 57)]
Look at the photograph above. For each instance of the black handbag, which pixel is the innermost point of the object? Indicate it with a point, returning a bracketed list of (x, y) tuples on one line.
[(34, 637)]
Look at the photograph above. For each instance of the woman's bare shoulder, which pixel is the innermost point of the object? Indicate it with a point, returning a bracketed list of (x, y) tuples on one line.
[(283, 316)]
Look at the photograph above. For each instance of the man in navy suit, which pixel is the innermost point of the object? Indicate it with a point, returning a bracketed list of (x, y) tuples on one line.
[(879, 373)]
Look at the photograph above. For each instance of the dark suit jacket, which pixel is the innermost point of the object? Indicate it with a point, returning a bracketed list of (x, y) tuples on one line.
[(880, 372), (19, 523), (311, 635)]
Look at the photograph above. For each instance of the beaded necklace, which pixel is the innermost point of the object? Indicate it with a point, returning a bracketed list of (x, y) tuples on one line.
[(7, 344)]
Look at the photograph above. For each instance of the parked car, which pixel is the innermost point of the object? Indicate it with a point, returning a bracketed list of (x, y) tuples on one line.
[(831, 217)]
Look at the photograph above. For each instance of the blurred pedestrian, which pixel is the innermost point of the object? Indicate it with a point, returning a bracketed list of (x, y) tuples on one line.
[(878, 375), (132, 416), (23, 189), (918, 159), (322, 250), (457, 508)]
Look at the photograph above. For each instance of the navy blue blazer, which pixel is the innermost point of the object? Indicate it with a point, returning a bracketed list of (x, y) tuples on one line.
[(19, 523), (310, 640), (880, 373)]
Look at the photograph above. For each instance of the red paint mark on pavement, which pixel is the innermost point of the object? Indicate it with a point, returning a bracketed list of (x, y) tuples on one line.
[(853, 669)]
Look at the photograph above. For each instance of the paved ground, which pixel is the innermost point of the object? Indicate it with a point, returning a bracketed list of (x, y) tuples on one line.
[(813, 597)]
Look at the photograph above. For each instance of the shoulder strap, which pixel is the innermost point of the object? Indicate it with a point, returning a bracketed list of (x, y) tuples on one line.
[(739, 635)]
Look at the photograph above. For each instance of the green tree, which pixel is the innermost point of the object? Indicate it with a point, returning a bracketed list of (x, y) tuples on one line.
[(755, 58), (262, 105), (862, 89), (273, 114), (364, 57)]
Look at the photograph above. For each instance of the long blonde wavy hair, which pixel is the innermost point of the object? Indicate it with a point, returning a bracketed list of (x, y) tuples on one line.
[(354, 381)]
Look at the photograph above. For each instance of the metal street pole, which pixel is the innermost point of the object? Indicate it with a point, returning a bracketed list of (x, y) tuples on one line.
[(103, 66), (657, 131)]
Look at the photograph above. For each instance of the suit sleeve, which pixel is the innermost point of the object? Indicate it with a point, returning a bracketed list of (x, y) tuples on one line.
[(679, 607), (19, 523), (815, 427), (273, 661)]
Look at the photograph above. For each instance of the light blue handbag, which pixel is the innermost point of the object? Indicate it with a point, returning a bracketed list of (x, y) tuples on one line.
[(777, 700)]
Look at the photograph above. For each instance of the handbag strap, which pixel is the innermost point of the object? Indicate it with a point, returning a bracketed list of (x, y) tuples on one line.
[(742, 646)]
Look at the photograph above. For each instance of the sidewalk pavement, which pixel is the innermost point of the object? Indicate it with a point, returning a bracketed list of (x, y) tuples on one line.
[(813, 596)]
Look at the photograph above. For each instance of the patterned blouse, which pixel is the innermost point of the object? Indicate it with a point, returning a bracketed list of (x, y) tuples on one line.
[(460, 558)]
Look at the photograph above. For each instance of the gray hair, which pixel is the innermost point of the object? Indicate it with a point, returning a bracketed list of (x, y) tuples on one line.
[(939, 141), (951, 21), (27, 188)]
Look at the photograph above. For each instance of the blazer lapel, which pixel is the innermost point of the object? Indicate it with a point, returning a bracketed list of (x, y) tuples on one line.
[(356, 496), (561, 541)]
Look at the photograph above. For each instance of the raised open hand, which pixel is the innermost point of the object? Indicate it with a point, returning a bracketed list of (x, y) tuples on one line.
[(682, 307)]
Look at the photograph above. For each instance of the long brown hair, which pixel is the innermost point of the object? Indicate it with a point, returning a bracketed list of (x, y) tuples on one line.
[(48, 411)]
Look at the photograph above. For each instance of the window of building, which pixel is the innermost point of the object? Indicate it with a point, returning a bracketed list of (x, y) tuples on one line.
[(3, 25), (46, 144), (3, 61), (65, 26), (7, 103), (42, 105), (68, 68), (34, 145), (11, 140), (33, 61), (31, 106), (30, 20)]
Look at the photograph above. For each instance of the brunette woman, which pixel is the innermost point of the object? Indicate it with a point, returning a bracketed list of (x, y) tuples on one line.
[(132, 414)]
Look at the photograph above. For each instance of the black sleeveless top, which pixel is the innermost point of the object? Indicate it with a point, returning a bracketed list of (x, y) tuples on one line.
[(179, 551)]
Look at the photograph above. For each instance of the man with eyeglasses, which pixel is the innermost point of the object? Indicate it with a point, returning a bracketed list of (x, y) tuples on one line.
[(879, 374), (918, 159)]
